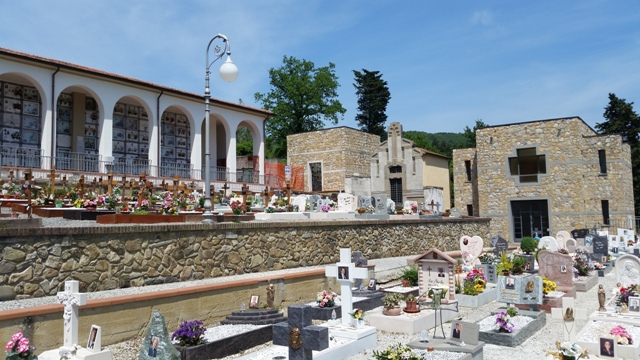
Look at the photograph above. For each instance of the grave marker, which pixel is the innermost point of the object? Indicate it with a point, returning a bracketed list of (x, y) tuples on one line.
[(71, 298), (501, 245), (548, 243), (562, 237), (81, 186), (346, 202), (381, 205), (568, 314), (471, 248), (627, 270), (600, 247), (361, 262), (345, 284), (52, 175), (298, 333)]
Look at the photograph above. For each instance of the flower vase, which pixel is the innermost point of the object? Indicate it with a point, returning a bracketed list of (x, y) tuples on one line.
[(236, 212), (359, 324), (567, 357), (90, 208)]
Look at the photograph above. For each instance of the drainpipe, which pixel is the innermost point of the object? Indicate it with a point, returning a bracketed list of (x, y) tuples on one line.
[(159, 117), (54, 116)]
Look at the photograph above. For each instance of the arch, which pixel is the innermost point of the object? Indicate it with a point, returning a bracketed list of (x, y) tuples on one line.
[(176, 147), (219, 135), (131, 139)]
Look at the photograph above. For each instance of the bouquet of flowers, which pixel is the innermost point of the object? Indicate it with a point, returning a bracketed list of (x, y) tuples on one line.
[(487, 258), (238, 207), (190, 333), (621, 335), (502, 322), (568, 350), (625, 293), (548, 286), (397, 351), (90, 203), (167, 204), (326, 299), (474, 282), (18, 348), (325, 208), (357, 314), (597, 265)]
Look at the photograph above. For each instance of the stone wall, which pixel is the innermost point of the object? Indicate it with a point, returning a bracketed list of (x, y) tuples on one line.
[(343, 152), (572, 185), (36, 262)]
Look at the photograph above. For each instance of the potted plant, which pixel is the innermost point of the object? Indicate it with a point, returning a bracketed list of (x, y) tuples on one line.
[(19, 348), (189, 333), (410, 277), (519, 264), (505, 265), (361, 210), (399, 210), (391, 303), (201, 202), (528, 244), (412, 304)]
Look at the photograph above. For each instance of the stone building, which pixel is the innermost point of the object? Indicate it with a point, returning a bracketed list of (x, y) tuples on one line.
[(334, 159), (405, 172), (545, 176)]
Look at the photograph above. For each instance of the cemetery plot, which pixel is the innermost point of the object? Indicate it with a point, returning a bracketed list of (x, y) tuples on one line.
[(525, 324), (593, 331)]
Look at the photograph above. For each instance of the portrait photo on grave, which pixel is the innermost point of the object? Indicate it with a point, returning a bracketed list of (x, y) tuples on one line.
[(456, 330), (343, 273), (563, 268), (253, 303), (588, 240), (93, 333), (153, 348), (372, 284), (634, 303), (510, 283), (607, 348)]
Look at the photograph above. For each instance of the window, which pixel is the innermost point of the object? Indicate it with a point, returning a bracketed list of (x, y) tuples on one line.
[(316, 176), (605, 212), (470, 209), (527, 165), (395, 169), (467, 166), (602, 156), (395, 185)]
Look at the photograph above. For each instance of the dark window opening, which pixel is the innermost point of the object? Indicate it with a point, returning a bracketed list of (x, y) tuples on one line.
[(395, 185), (469, 209), (527, 165), (395, 169), (602, 156), (316, 176), (530, 218), (467, 166), (605, 212)]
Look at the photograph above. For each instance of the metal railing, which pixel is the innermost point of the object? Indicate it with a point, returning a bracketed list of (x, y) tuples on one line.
[(20, 157), (130, 166), (73, 161)]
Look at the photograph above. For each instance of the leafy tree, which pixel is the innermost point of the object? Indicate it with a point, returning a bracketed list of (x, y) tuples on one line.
[(373, 97), (622, 119), (471, 134), (244, 142), (302, 97)]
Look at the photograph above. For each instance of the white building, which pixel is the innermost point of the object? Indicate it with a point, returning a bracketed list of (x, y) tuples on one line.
[(86, 120)]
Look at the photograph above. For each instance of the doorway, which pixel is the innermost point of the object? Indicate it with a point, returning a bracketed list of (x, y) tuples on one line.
[(530, 218)]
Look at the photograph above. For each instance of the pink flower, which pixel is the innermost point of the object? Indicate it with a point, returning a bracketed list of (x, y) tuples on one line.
[(9, 346), (16, 336)]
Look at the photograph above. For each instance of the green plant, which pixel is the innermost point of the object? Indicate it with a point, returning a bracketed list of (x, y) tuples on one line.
[(512, 311), (528, 244), (519, 263), (397, 351), (410, 298), (392, 299), (505, 264), (190, 333), (411, 274), (201, 202), (535, 255)]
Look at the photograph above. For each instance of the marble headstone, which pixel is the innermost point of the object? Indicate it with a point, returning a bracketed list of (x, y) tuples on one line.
[(548, 243), (391, 206), (470, 248), (556, 267), (315, 203), (562, 237), (300, 201), (165, 349), (521, 290), (381, 205), (571, 245), (501, 245), (627, 270), (489, 271), (364, 201), (346, 202)]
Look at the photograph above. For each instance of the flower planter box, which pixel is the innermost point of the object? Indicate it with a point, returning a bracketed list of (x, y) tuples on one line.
[(139, 219), (372, 300), (49, 212), (230, 217), (81, 214), (488, 295), (228, 346), (587, 282), (517, 337)]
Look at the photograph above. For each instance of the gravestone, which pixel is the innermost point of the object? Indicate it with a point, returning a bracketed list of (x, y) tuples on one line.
[(157, 342), (579, 233), (489, 271), (300, 201), (588, 240), (455, 213), (365, 202), (569, 314), (557, 267), (470, 248), (613, 241), (360, 262), (381, 205), (346, 202), (627, 270), (391, 206), (571, 245), (409, 205), (313, 203), (520, 290), (562, 237), (600, 247), (345, 284), (299, 335), (501, 245), (436, 270), (548, 243)]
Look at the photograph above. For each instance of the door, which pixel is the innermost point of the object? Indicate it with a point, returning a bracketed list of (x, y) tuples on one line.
[(316, 176), (530, 218), (395, 186)]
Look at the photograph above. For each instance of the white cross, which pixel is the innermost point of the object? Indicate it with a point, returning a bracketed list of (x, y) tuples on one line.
[(578, 314), (345, 284), (71, 298)]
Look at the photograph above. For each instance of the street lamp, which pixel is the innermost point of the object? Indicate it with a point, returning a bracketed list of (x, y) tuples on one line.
[(228, 72)]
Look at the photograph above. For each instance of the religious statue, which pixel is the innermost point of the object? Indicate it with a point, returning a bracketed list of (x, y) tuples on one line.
[(629, 275), (270, 295), (624, 309), (568, 315), (529, 287), (602, 296), (295, 338)]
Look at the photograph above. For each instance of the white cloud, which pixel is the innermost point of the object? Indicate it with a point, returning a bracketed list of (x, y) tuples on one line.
[(483, 17)]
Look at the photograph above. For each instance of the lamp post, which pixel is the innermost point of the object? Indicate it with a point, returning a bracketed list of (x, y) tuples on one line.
[(228, 72)]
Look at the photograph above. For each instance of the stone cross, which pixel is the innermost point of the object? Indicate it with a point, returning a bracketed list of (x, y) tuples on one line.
[(568, 314), (52, 175), (298, 333), (71, 298), (11, 176), (345, 284), (124, 186)]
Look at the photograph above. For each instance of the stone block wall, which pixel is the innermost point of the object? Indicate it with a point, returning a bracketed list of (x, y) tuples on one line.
[(465, 191), (343, 152), (572, 185), (36, 262)]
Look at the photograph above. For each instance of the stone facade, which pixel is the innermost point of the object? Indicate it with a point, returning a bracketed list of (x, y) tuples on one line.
[(35, 262), (423, 175), (343, 153), (572, 186)]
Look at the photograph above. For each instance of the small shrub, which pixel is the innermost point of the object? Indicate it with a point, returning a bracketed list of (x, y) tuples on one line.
[(512, 311), (528, 244), (411, 274)]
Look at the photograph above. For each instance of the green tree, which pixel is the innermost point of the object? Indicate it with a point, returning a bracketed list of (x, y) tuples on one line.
[(244, 142), (373, 98), (302, 97), (470, 134), (622, 119)]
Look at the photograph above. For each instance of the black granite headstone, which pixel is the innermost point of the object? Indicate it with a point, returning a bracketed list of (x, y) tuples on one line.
[(600, 245), (501, 245), (579, 233), (299, 335)]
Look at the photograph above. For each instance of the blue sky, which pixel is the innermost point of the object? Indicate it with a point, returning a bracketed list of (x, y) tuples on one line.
[(447, 63)]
